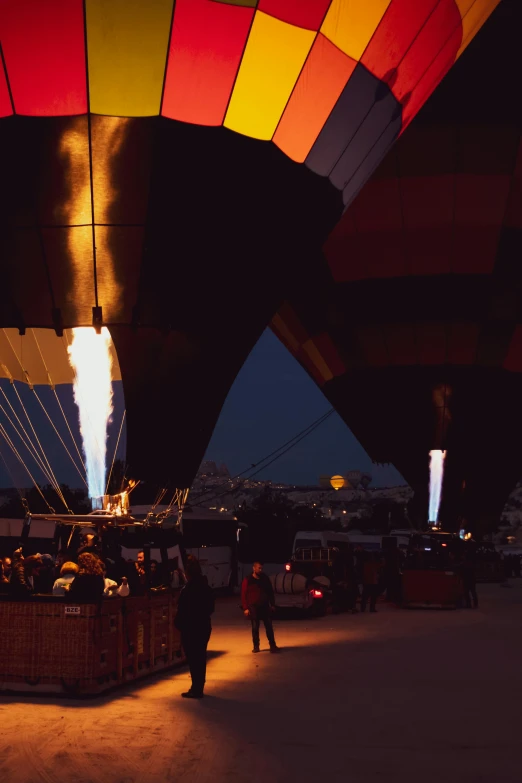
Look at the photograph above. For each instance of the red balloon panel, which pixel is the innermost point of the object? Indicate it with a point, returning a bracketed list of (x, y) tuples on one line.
[(44, 46), (301, 13), (205, 52), (411, 35)]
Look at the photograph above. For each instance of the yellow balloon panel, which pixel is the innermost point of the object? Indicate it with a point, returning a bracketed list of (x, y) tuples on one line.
[(350, 24), (40, 357), (127, 43), (275, 53)]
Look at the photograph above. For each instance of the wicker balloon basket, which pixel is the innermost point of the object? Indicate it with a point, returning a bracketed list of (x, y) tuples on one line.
[(52, 646)]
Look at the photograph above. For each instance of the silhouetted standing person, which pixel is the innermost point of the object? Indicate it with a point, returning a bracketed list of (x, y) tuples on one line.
[(258, 601), (469, 582), (371, 574), (195, 606)]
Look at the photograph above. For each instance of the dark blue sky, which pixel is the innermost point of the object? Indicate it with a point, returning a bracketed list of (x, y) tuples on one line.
[(271, 400)]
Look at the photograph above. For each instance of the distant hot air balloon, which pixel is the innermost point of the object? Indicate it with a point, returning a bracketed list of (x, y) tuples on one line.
[(139, 189), (337, 482), (413, 323)]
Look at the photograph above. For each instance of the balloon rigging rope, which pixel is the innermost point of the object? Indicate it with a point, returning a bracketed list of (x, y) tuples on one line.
[(11, 475), (15, 451), (27, 442), (60, 437), (54, 479), (115, 452), (48, 472)]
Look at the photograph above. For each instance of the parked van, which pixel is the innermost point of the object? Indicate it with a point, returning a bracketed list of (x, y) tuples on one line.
[(320, 539)]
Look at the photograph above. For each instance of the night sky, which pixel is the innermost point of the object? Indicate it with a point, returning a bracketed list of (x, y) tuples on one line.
[(271, 400)]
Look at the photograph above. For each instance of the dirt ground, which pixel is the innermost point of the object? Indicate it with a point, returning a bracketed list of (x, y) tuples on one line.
[(406, 696)]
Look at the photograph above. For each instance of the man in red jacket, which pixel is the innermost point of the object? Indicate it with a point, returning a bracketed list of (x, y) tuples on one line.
[(258, 601)]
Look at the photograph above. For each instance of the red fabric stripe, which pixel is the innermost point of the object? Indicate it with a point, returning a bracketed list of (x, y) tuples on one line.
[(44, 50), (371, 340), (428, 217), (302, 13), (206, 46), (5, 101), (513, 360), (514, 209), (479, 214), (400, 341), (434, 74), (328, 351), (431, 343), (411, 34), (369, 240), (462, 343)]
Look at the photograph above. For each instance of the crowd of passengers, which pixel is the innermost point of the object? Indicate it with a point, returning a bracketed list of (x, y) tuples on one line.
[(86, 577)]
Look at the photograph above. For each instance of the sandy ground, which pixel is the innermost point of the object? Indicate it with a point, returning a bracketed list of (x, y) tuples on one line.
[(409, 696)]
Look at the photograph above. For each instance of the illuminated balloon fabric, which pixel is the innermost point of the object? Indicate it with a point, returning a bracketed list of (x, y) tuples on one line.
[(119, 193), (187, 275), (40, 357), (413, 323), (330, 82)]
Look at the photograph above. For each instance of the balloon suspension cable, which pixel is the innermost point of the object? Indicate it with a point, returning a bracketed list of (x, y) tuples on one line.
[(54, 480), (115, 452), (159, 497), (179, 498), (11, 476), (60, 437), (31, 448), (263, 464), (15, 451), (53, 387), (29, 445)]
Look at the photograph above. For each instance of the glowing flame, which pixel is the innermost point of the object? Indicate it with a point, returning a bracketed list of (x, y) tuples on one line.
[(90, 356), (436, 474)]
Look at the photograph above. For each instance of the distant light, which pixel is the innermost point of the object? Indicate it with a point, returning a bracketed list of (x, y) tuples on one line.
[(427, 548), (444, 545), (288, 567), (317, 593)]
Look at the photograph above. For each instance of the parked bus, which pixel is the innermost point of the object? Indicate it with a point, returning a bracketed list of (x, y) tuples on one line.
[(324, 539), (213, 537), (320, 539)]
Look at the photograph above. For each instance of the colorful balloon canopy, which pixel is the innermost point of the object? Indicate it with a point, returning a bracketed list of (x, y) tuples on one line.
[(412, 321), (138, 189), (331, 82)]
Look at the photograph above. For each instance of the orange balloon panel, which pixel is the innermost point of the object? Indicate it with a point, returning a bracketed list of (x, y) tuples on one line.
[(331, 82)]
